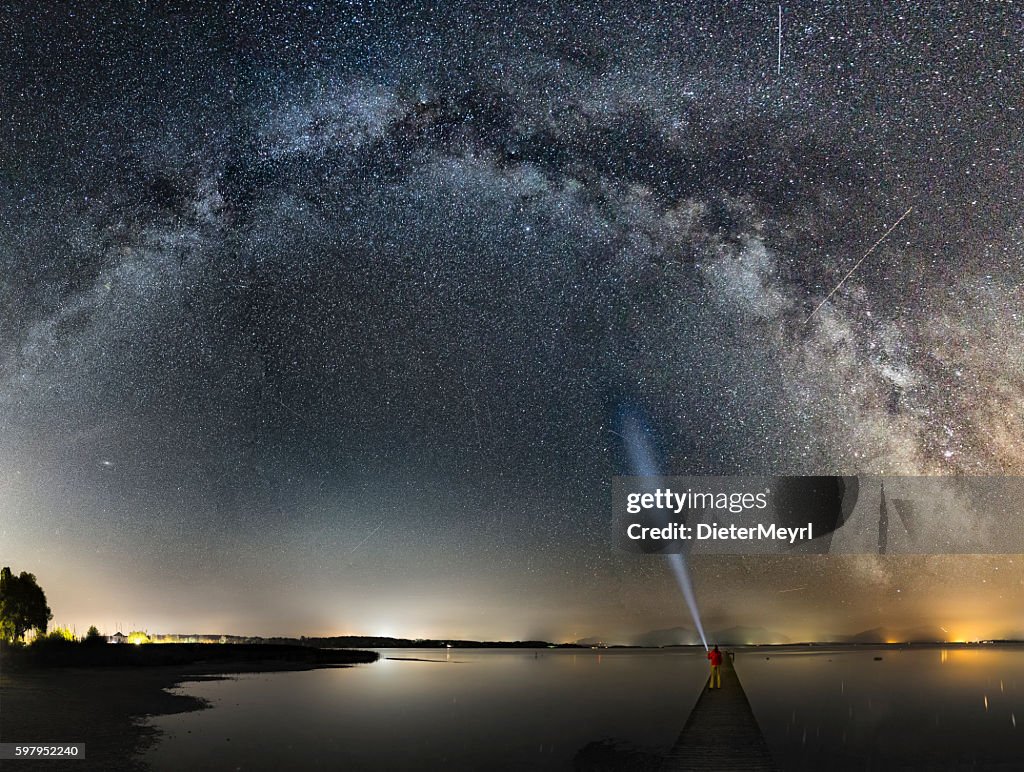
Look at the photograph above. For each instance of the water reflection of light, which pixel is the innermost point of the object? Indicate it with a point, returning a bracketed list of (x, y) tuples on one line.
[(961, 655), (937, 705)]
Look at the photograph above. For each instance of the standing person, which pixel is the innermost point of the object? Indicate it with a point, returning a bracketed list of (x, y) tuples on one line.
[(716, 668)]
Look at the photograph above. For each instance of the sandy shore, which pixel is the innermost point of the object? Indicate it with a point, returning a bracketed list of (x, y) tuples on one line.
[(103, 708)]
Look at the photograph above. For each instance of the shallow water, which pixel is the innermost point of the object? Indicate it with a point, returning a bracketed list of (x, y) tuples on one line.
[(924, 708), (468, 709), (920, 708)]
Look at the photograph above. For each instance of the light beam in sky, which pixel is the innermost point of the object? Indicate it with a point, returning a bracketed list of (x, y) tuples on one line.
[(642, 462)]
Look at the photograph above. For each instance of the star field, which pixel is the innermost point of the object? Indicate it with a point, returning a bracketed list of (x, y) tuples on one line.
[(339, 301)]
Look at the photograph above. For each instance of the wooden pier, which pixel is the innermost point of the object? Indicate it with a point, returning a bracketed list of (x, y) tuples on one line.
[(721, 732)]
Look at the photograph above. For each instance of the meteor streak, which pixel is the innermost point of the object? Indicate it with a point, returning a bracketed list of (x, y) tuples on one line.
[(367, 538), (857, 265), (780, 40)]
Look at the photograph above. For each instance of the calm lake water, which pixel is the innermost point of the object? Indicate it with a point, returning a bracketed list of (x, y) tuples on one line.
[(917, 708), (556, 709)]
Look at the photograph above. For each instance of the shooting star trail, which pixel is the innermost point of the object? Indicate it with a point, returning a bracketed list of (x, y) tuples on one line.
[(291, 410), (780, 40), (368, 537), (857, 265), (793, 589)]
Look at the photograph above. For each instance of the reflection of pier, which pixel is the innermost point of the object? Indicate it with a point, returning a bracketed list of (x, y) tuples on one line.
[(721, 732)]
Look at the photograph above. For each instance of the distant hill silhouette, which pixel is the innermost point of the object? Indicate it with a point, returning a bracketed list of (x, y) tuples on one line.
[(921, 634), (924, 634), (730, 636), (874, 635), (739, 635), (671, 636), (378, 642)]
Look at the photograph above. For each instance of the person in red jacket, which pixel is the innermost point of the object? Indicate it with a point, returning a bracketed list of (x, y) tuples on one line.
[(716, 668)]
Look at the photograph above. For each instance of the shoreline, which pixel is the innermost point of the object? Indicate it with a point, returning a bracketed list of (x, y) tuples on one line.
[(106, 706)]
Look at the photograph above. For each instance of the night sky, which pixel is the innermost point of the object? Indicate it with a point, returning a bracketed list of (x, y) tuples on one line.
[(316, 318)]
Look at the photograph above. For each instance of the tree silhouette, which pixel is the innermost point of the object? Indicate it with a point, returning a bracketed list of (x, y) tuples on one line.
[(22, 605)]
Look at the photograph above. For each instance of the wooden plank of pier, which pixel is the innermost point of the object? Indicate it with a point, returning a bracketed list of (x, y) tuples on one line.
[(721, 732)]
